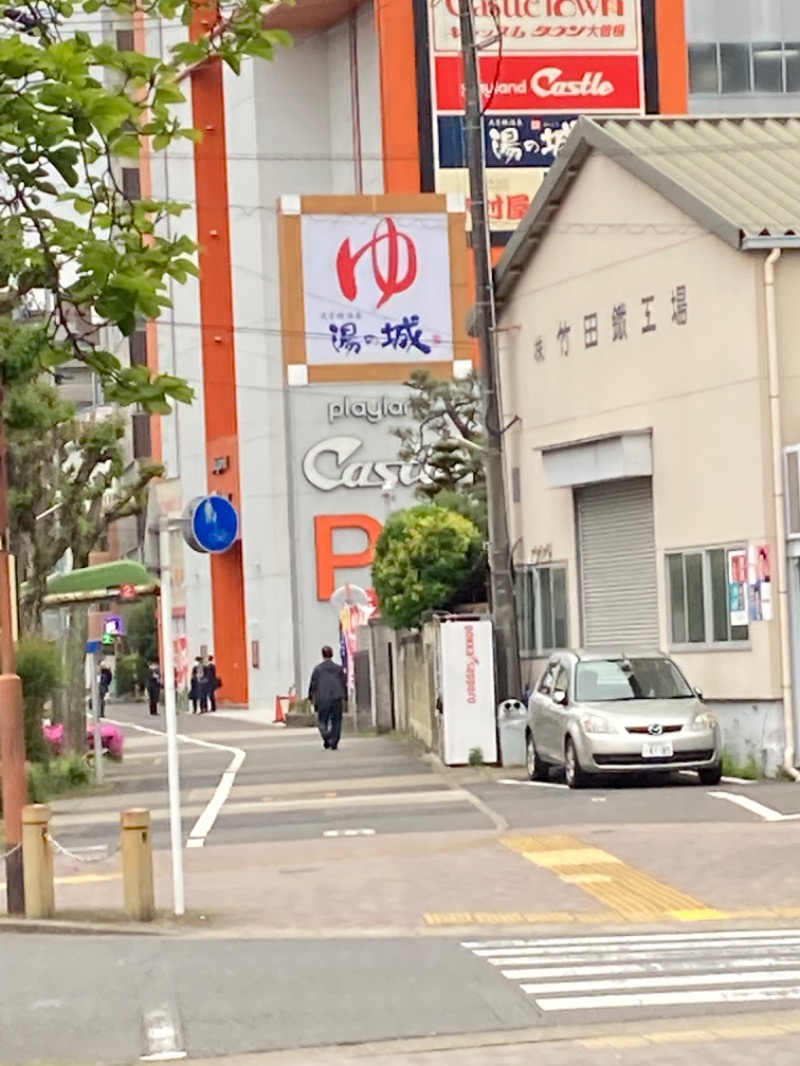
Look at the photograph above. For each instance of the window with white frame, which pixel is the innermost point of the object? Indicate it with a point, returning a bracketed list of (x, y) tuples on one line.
[(542, 609), (699, 598)]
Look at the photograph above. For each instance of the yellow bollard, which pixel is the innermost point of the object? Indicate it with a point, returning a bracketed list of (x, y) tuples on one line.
[(137, 865), (37, 861)]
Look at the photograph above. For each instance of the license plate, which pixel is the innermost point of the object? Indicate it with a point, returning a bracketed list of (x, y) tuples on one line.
[(657, 749)]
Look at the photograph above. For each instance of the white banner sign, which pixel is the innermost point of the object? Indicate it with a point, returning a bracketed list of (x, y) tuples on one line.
[(377, 289), (467, 690)]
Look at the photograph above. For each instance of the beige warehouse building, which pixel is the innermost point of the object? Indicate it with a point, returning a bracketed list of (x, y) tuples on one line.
[(648, 314)]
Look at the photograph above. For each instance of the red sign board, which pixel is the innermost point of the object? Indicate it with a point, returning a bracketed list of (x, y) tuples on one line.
[(546, 83)]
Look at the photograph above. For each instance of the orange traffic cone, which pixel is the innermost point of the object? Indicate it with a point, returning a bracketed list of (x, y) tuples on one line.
[(279, 715)]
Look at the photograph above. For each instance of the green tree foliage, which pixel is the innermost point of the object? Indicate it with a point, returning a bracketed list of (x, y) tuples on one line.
[(142, 630), (131, 670), (40, 668), (72, 243), (425, 559), (68, 483), (446, 440)]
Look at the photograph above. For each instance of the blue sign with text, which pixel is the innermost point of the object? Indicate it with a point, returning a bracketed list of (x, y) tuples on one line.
[(213, 525), (512, 141)]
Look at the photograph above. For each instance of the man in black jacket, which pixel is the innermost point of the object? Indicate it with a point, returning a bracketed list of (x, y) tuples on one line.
[(328, 691)]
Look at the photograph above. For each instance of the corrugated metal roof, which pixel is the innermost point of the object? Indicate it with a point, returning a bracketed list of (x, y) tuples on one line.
[(738, 177)]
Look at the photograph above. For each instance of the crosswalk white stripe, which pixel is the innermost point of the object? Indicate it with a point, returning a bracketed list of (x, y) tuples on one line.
[(645, 938), (644, 968), (700, 997), (622, 973), (523, 953), (771, 951), (672, 981)]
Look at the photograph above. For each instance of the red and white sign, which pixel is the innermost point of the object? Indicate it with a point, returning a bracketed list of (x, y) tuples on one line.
[(541, 25), (466, 676), (538, 58), (377, 289), (541, 84)]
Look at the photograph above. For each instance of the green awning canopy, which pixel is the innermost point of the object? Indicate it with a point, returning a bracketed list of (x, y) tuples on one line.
[(101, 582)]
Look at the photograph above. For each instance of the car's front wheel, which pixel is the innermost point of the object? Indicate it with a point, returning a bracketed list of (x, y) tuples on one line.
[(537, 769), (575, 774), (711, 775)]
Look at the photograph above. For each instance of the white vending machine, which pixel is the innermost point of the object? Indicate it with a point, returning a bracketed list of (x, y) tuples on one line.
[(465, 669)]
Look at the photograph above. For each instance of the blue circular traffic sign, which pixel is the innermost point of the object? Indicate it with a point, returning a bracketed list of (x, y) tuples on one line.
[(213, 524)]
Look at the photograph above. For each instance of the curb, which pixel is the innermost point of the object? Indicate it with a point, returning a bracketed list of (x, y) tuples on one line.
[(58, 927), (612, 1036)]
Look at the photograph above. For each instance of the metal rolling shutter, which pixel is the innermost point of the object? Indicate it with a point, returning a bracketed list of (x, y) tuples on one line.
[(616, 542)]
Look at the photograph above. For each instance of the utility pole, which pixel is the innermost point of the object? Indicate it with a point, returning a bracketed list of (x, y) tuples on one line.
[(12, 729), (500, 571)]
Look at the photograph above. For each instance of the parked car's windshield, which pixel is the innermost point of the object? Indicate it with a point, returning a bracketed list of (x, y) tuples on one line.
[(629, 679)]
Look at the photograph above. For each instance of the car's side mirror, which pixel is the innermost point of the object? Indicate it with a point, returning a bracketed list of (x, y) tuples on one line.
[(699, 693), (560, 698)]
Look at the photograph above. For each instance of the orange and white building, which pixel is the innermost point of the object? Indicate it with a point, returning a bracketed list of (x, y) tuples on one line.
[(329, 202)]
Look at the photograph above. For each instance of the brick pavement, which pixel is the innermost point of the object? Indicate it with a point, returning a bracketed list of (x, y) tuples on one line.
[(394, 882)]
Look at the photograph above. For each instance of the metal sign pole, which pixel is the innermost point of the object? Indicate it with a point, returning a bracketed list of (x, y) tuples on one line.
[(171, 714), (94, 661)]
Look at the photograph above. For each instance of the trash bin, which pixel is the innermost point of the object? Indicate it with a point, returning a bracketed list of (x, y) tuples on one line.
[(512, 721)]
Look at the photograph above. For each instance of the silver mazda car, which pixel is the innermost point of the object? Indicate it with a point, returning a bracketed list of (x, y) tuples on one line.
[(596, 713)]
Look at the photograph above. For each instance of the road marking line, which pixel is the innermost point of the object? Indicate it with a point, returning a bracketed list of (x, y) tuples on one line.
[(775, 994), (349, 833), (205, 823), (630, 893), (672, 981), (668, 953), (724, 780), (531, 784), (162, 1038), (765, 813), (624, 940), (645, 966)]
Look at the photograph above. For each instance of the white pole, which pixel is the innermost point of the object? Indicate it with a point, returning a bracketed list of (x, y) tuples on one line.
[(171, 714), (94, 662)]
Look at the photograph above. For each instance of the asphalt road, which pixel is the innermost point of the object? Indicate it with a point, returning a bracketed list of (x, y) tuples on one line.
[(86, 999), (289, 788), (118, 1000)]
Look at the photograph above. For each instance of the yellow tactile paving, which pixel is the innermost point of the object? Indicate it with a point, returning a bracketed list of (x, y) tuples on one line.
[(601, 917), (734, 1031), (511, 918), (627, 892), (80, 879)]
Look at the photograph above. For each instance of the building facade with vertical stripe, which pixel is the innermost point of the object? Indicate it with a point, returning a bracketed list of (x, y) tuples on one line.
[(338, 164)]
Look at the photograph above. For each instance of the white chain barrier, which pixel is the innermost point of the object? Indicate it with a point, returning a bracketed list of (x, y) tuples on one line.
[(6, 855), (101, 852)]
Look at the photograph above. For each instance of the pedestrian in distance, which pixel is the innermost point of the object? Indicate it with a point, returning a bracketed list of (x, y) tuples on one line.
[(196, 685), (154, 688), (212, 684), (106, 677), (327, 692)]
